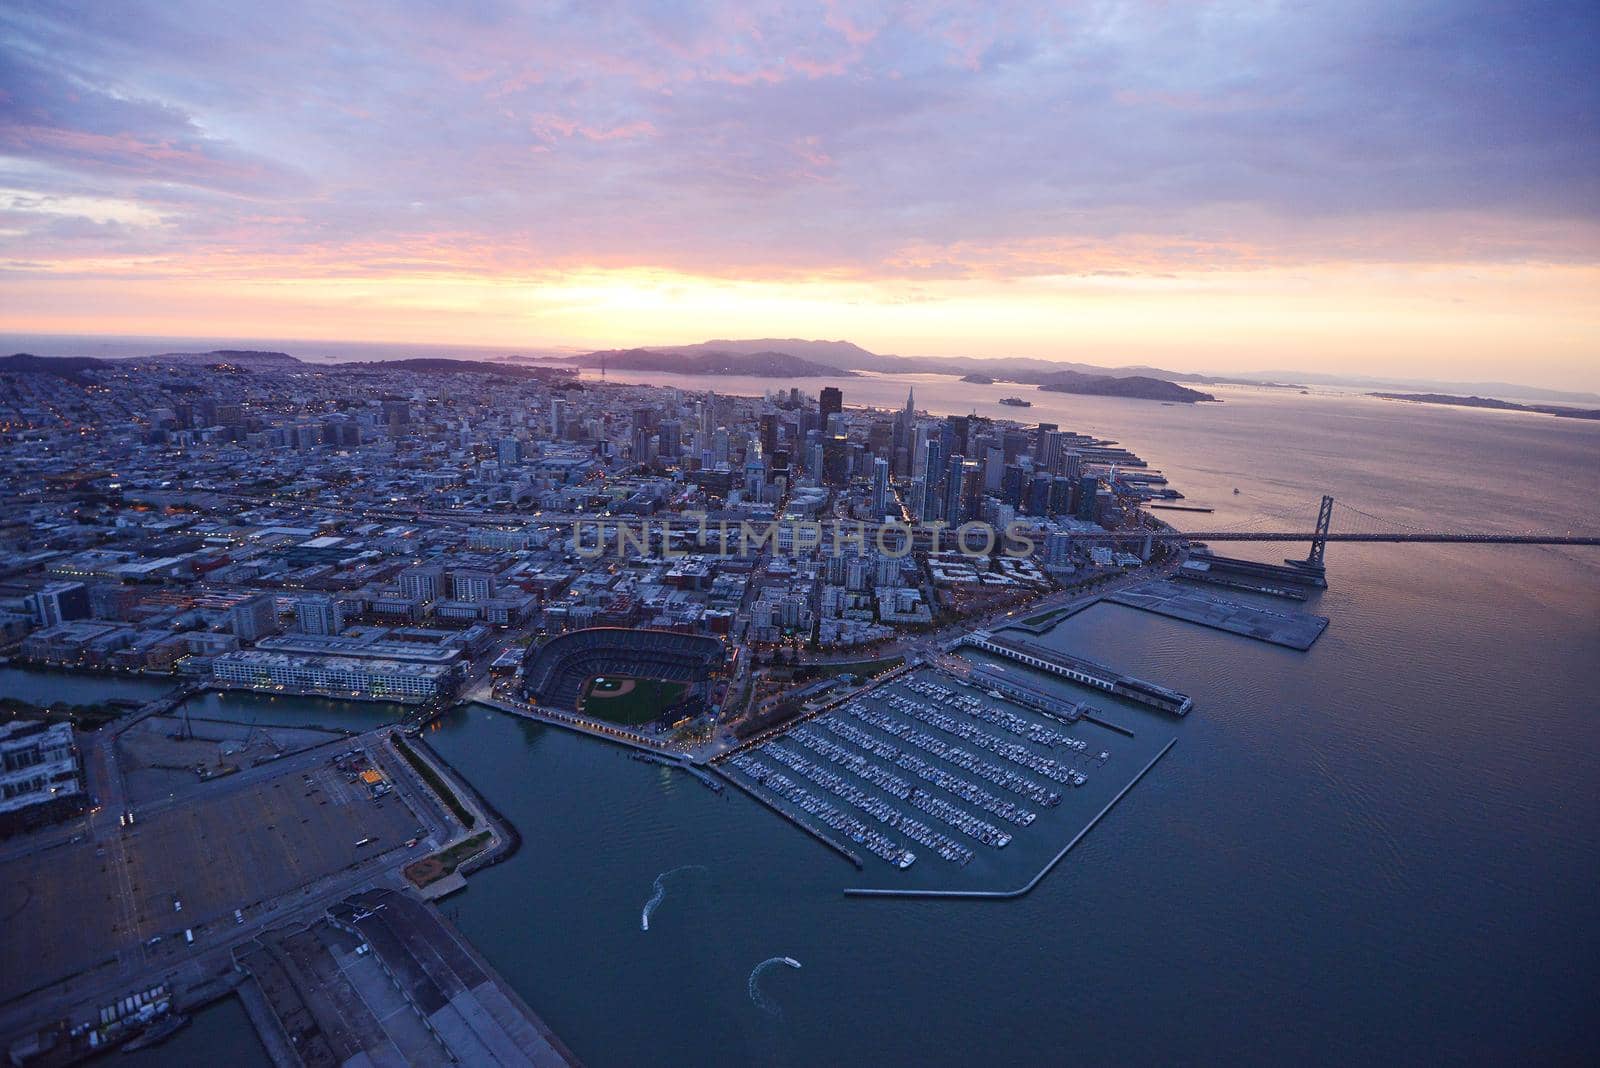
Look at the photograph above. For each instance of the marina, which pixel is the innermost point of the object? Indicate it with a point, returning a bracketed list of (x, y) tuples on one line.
[(929, 765)]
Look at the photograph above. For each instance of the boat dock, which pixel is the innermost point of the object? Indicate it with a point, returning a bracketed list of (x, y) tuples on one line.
[(929, 765), (862, 891), (814, 832), (1079, 670), (708, 781), (1294, 630), (1043, 703)]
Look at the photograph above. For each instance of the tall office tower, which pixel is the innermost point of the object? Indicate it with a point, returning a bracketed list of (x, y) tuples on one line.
[(1048, 451), (509, 452), (969, 485), (1012, 484), (1072, 465), (1038, 502), (905, 431), (994, 466), (919, 453), (933, 470), (880, 488), (1063, 491), (648, 418), (318, 614), (769, 433), (919, 500), (859, 463), (671, 435), (950, 511), (1088, 486), (830, 401), (558, 417), (778, 465), (708, 414), (254, 617), (422, 583), (719, 445), (755, 478), (880, 437), (835, 469), (960, 427), (1015, 443)]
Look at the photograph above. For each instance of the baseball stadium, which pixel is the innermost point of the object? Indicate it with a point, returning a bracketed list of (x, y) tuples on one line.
[(629, 678)]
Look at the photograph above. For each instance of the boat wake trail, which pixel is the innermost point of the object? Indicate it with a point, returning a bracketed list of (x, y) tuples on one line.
[(760, 1000), (660, 892)]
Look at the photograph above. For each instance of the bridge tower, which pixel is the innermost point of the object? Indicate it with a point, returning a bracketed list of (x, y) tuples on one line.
[(1324, 521)]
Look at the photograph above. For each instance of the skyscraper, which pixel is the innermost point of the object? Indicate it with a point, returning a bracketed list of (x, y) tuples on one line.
[(905, 426), (829, 401)]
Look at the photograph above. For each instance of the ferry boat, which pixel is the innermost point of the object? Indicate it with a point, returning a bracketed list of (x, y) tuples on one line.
[(1016, 402)]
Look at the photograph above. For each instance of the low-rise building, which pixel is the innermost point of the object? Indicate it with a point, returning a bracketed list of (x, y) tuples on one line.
[(334, 676), (40, 777)]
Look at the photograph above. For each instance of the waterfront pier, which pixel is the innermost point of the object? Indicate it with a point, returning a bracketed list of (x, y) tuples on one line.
[(1079, 670)]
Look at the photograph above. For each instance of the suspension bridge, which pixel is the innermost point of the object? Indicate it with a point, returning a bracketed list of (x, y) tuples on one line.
[(1369, 528)]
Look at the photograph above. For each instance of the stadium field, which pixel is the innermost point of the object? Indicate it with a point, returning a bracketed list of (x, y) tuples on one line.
[(628, 701)]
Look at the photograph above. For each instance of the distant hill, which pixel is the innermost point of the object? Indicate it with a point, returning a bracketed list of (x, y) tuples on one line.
[(247, 358), (849, 356), (702, 360), (26, 363), (1490, 402), (1138, 387)]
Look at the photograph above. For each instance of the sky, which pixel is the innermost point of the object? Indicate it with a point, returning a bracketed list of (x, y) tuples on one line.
[(1395, 188)]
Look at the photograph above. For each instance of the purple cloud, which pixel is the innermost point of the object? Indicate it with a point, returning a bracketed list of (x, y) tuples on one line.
[(860, 139)]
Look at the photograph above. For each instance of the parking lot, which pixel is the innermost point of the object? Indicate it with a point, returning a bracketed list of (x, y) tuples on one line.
[(67, 909)]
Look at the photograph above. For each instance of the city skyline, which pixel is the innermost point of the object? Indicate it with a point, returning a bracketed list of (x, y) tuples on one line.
[(1397, 190)]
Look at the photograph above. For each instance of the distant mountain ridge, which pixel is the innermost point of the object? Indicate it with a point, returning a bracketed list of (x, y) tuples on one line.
[(1025, 369), (707, 360), (71, 366), (799, 358)]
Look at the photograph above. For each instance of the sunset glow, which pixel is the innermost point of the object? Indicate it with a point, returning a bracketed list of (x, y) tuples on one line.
[(1172, 186)]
